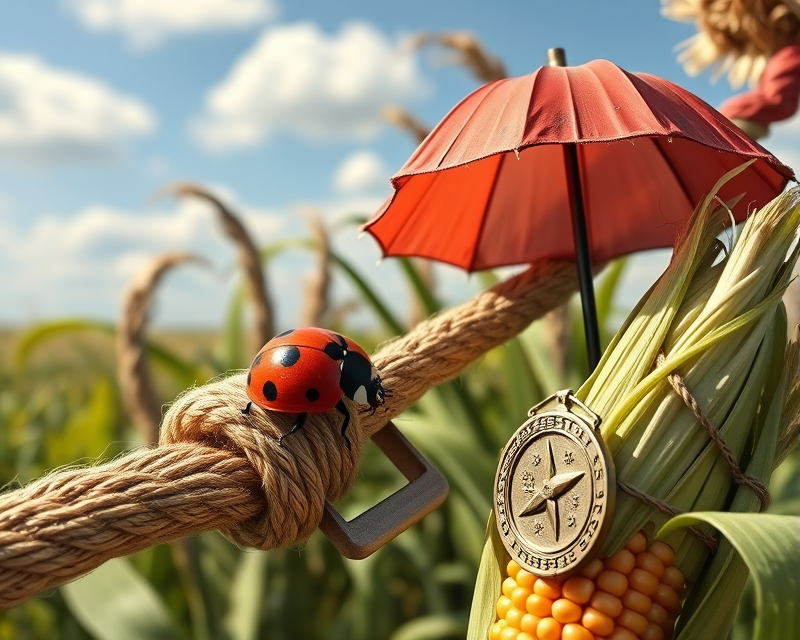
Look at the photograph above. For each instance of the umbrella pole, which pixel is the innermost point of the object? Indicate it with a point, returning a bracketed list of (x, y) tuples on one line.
[(581, 240), (580, 236)]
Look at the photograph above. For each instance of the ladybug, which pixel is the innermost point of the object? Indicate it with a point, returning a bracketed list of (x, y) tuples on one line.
[(311, 370)]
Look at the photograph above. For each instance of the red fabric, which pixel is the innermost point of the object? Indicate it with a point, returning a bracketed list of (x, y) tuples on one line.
[(777, 94), (488, 187)]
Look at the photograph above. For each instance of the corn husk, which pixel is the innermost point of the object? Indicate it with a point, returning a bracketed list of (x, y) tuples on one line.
[(717, 319)]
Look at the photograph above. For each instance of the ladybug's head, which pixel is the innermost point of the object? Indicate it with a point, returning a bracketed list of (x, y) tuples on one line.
[(376, 394), (360, 380)]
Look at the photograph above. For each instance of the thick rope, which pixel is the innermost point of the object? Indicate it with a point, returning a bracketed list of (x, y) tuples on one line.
[(436, 350), (215, 468)]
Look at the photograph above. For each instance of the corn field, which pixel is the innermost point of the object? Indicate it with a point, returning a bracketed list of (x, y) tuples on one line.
[(77, 392)]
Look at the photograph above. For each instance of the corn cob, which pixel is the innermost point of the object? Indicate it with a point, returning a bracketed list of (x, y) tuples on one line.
[(717, 322), (633, 594)]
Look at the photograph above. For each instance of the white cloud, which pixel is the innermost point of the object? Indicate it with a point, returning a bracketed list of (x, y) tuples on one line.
[(299, 79), (81, 264), (147, 22), (50, 115), (361, 171)]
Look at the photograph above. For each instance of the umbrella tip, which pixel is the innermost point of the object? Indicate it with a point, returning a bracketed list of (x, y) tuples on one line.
[(556, 57)]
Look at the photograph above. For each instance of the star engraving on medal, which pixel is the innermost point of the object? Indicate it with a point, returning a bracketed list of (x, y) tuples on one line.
[(555, 485)]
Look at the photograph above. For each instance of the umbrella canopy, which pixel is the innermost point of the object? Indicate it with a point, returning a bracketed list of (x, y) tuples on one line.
[(489, 186)]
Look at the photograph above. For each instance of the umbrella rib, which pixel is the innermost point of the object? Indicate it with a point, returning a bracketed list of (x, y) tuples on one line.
[(434, 177), (486, 209), (758, 170), (674, 171), (489, 90)]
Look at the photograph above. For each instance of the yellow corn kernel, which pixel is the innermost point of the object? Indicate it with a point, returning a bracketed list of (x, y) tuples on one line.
[(674, 578), (514, 618), (663, 551), (572, 631), (632, 620), (621, 633), (528, 623), (606, 603), (548, 588), (613, 582), (643, 582), (637, 543), (578, 590), (519, 597), (497, 627), (650, 563), (636, 601), (565, 610), (667, 598), (509, 633), (503, 605), (538, 605), (623, 561), (509, 584), (597, 622), (593, 569), (657, 614), (549, 629), (525, 579), (654, 632)]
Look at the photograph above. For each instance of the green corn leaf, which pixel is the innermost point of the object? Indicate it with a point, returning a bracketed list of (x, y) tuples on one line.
[(42, 332), (769, 545), (432, 627), (606, 291), (429, 302), (182, 370), (382, 311), (246, 597), (233, 339), (488, 584), (115, 602)]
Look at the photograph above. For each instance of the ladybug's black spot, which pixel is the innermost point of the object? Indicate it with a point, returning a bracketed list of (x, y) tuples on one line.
[(285, 333), (249, 378), (257, 360), (334, 350), (270, 391), (312, 395), (287, 356)]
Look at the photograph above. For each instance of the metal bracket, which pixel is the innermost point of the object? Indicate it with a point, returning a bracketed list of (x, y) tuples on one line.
[(426, 490)]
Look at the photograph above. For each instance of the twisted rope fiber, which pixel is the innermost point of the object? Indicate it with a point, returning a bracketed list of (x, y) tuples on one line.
[(679, 385), (437, 349), (215, 468), (708, 540)]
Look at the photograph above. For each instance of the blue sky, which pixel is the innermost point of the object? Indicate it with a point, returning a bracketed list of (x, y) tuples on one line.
[(274, 105)]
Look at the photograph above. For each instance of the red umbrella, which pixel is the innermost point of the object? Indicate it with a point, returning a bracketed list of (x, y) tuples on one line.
[(628, 155)]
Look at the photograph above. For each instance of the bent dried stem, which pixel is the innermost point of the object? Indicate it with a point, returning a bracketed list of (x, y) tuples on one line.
[(315, 300), (248, 258), (135, 380)]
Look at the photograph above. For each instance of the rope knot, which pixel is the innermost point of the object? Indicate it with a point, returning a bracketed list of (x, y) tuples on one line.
[(297, 476)]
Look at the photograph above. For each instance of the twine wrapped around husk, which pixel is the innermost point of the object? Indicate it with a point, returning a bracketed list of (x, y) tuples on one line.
[(215, 468)]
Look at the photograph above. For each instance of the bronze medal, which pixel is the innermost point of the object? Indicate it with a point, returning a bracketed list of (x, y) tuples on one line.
[(555, 488)]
